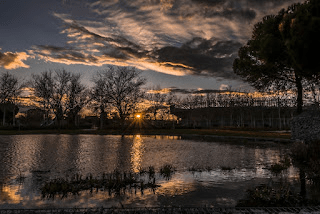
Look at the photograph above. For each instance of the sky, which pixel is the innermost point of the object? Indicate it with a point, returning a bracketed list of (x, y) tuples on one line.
[(181, 44)]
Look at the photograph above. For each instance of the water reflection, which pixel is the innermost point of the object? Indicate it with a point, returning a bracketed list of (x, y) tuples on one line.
[(10, 194), (43, 157), (180, 184), (137, 153)]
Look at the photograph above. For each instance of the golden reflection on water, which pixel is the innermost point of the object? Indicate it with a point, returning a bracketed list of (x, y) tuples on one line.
[(97, 154), (167, 137), (10, 193), (176, 186), (137, 151), (267, 156), (23, 155)]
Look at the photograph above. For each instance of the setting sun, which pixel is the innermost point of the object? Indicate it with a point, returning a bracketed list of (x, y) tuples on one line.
[(138, 116)]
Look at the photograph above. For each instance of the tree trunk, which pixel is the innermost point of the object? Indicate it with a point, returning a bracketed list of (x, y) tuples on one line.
[(13, 117), (75, 117), (279, 114), (58, 122), (4, 116), (262, 118), (302, 176), (299, 95), (101, 119), (122, 125)]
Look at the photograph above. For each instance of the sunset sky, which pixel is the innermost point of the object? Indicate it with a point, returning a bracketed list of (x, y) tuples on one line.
[(185, 44)]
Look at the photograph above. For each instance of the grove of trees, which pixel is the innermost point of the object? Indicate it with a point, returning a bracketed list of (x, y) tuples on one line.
[(61, 93), (118, 93), (118, 88)]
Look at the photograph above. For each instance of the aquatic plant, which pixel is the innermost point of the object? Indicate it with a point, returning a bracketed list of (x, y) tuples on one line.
[(194, 169), (150, 171), (226, 168), (114, 183), (166, 171), (208, 168), (273, 196), (199, 169), (284, 164), (306, 157)]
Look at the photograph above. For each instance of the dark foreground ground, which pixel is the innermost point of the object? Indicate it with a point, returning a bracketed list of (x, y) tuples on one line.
[(171, 210)]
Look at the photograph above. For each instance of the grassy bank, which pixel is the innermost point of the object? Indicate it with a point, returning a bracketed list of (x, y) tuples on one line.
[(241, 132)]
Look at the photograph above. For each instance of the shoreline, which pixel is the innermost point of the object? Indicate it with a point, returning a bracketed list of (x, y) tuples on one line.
[(212, 134)]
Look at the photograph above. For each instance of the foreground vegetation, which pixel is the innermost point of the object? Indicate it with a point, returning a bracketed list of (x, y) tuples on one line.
[(114, 183), (306, 158)]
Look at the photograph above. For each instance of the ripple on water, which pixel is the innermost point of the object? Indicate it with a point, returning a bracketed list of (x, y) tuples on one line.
[(42, 157)]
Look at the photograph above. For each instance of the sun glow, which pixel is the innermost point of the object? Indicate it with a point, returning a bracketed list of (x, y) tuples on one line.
[(138, 116)]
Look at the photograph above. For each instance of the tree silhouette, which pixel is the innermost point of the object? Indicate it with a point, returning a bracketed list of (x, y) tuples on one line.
[(10, 89), (279, 53), (61, 93), (120, 88), (43, 89)]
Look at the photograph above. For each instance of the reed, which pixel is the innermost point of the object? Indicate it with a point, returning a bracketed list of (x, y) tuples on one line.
[(167, 171), (226, 168), (113, 183)]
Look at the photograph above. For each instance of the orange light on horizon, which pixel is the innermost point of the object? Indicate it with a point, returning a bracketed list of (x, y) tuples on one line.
[(138, 116)]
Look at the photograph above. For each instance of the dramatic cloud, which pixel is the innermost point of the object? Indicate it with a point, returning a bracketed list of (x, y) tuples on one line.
[(201, 56), (10, 60), (177, 37)]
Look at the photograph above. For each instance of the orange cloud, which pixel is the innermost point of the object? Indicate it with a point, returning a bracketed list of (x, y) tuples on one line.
[(10, 60)]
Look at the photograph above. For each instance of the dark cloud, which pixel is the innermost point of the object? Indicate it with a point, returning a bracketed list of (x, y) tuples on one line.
[(199, 56), (268, 3), (118, 45), (179, 90), (116, 38), (69, 53), (204, 57), (255, 4), (55, 49), (169, 36), (231, 13), (211, 3), (214, 8)]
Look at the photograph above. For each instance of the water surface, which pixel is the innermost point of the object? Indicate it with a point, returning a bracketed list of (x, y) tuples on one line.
[(39, 158)]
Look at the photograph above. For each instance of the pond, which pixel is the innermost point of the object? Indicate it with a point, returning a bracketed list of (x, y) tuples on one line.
[(206, 173)]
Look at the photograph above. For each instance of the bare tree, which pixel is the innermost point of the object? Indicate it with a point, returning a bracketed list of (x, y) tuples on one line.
[(120, 87), (77, 97), (99, 97), (10, 89), (60, 93), (157, 100), (43, 88), (62, 78)]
